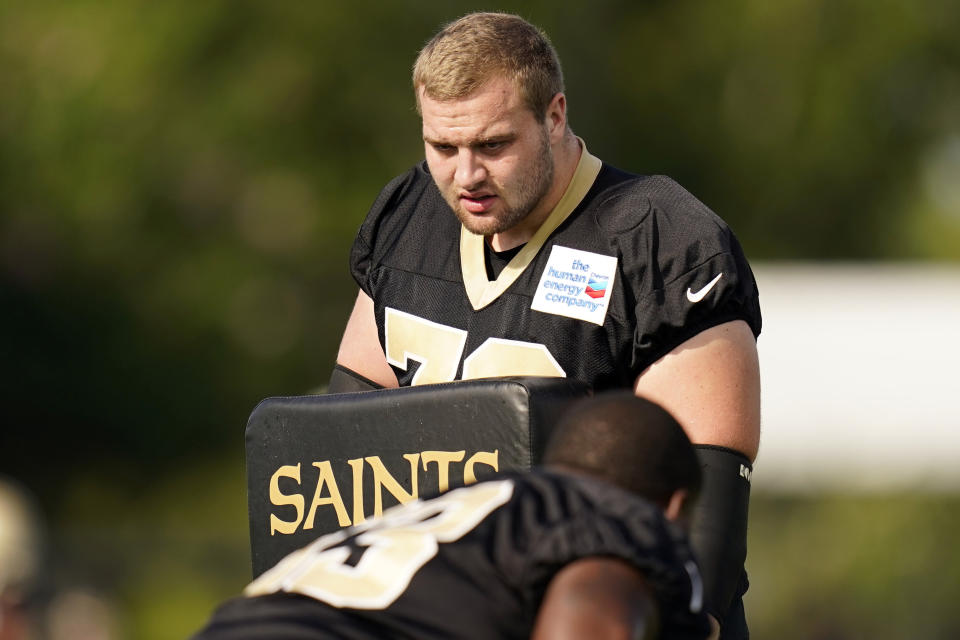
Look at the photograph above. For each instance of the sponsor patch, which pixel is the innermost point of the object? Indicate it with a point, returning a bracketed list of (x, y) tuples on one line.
[(576, 284)]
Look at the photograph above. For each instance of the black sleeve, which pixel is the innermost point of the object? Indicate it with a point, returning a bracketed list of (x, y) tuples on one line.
[(626, 528), (719, 533), (687, 273), (384, 223)]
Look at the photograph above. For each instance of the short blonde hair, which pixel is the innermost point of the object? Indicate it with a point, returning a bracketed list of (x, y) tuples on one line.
[(467, 53)]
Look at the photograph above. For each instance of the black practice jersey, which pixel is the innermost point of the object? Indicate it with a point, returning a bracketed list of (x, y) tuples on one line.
[(472, 563), (624, 270)]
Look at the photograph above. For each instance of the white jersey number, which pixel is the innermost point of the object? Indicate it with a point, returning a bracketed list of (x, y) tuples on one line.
[(394, 548)]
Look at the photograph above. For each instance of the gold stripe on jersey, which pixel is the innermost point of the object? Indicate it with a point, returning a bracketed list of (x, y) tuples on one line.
[(482, 291)]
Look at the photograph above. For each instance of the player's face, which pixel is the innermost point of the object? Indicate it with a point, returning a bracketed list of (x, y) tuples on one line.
[(490, 157)]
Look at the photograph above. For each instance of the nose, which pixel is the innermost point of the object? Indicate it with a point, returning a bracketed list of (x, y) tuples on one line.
[(471, 171)]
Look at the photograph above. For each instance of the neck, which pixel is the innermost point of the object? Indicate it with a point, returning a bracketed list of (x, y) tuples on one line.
[(566, 156)]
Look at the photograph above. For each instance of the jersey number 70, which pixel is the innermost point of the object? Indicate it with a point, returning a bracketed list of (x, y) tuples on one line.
[(439, 348)]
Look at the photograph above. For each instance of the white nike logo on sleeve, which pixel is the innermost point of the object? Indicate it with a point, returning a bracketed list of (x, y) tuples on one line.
[(699, 295)]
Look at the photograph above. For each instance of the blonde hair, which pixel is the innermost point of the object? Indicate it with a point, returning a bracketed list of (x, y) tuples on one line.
[(467, 53)]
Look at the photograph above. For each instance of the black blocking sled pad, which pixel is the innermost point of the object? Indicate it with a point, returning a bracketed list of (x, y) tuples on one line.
[(318, 463)]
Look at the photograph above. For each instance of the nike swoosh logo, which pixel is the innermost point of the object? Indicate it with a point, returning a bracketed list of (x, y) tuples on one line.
[(699, 295)]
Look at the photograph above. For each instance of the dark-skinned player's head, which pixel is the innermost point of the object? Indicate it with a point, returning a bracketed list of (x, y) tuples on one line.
[(627, 441)]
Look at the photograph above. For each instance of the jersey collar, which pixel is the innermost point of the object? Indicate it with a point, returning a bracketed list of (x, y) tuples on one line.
[(480, 290)]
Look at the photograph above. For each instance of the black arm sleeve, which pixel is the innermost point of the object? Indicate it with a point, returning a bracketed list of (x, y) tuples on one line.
[(719, 534), (344, 380)]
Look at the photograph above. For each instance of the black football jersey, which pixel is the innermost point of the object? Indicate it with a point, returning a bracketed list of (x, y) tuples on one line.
[(624, 270), (472, 563)]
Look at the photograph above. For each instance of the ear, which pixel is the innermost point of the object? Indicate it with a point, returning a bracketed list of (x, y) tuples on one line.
[(556, 117), (676, 506)]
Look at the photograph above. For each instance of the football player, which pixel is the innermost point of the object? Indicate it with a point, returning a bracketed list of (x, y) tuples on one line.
[(512, 250), (593, 545)]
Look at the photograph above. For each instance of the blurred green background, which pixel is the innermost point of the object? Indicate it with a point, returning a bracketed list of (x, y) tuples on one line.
[(180, 183)]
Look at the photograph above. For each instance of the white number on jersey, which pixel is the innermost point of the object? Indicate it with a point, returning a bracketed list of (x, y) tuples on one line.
[(395, 547)]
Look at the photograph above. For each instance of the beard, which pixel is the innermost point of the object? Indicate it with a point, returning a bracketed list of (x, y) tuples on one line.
[(517, 200)]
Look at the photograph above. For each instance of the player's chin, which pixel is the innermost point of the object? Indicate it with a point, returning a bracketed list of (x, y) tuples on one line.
[(481, 224)]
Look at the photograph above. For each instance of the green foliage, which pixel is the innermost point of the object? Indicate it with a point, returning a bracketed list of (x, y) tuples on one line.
[(163, 555), (180, 183), (868, 566), (804, 124)]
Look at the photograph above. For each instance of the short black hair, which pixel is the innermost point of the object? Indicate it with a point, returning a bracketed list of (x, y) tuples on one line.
[(628, 441)]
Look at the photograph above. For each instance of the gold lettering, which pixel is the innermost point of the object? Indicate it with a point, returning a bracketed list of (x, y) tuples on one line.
[(357, 465), (443, 460), (278, 498), (489, 458), (326, 478), (383, 479)]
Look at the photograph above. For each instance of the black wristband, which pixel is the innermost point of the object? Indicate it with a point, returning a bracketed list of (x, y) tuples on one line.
[(719, 528), (344, 380)]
